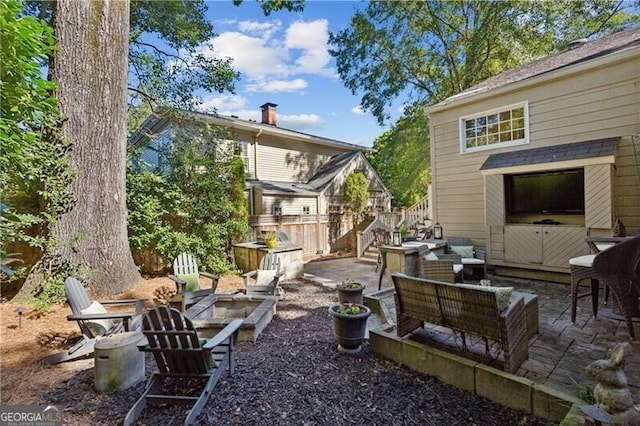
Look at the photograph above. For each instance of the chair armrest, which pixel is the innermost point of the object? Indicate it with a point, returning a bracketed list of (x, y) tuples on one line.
[(454, 257), (181, 285), (108, 315), (223, 335), (138, 302), (210, 275), (248, 275)]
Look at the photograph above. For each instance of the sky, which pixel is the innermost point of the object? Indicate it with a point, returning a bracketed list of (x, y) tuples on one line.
[(284, 59)]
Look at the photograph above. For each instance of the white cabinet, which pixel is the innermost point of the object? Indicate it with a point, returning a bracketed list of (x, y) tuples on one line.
[(543, 245)]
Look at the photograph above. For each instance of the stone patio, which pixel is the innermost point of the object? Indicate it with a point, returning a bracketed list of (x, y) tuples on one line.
[(558, 355)]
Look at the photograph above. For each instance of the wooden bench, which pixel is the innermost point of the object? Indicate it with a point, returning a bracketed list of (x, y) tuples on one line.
[(465, 310)]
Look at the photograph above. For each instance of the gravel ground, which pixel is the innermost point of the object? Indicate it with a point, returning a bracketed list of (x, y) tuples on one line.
[(294, 375)]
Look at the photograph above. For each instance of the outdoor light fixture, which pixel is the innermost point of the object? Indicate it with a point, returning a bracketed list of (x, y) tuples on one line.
[(396, 238), (437, 231)]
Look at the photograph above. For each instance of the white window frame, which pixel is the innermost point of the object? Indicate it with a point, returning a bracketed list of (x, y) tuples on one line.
[(494, 144), (306, 210), (276, 209)]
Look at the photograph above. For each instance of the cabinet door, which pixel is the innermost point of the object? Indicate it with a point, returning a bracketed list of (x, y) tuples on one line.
[(523, 244), (561, 243)]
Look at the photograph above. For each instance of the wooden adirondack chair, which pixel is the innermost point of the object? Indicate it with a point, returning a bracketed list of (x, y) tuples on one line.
[(187, 278), (180, 354), (267, 277), (94, 320)]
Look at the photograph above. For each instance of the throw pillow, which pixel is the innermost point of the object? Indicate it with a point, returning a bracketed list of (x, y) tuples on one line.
[(430, 256), (98, 327), (503, 294), (265, 276), (193, 281), (463, 251)]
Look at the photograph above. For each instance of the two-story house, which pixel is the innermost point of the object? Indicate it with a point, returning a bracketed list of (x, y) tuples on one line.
[(294, 179), (531, 162)]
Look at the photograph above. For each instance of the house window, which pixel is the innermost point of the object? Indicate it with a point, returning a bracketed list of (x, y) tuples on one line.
[(276, 209), (306, 210), (243, 153), (496, 128)]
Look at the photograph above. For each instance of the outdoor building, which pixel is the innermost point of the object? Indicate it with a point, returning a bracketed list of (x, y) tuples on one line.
[(532, 161), (294, 180)]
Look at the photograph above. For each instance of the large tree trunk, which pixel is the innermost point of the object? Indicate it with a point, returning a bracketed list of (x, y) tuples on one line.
[(90, 67)]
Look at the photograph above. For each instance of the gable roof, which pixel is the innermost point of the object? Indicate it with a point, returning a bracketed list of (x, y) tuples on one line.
[(160, 119), (617, 42), (551, 154)]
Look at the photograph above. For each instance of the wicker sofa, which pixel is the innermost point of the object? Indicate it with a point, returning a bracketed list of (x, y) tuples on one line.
[(463, 309), (470, 256)]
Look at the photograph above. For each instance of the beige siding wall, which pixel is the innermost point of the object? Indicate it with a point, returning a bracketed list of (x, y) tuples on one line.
[(287, 161), (596, 104), (290, 205)]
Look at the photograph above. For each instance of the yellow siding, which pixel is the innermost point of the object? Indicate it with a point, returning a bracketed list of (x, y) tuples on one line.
[(593, 104)]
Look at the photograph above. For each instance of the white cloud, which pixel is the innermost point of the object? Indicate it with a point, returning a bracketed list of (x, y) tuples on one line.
[(357, 110), (311, 38), (251, 55), (264, 30), (223, 102), (300, 121), (277, 86)]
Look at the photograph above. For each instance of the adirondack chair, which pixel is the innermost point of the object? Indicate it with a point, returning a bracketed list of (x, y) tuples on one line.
[(187, 278), (95, 321), (267, 277), (179, 353)]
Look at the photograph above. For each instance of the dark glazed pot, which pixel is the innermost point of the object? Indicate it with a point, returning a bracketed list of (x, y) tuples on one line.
[(350, 295), (349, 329)]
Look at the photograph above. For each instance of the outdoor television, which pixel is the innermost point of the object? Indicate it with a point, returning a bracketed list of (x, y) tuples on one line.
[(558, 192)]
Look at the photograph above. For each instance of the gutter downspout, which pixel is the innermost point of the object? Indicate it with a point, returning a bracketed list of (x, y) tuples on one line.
[(255, 154)]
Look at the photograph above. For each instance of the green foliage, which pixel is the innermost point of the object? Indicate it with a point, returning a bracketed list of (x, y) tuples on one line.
[(349, 309), (423, 52), (34, 172), (431, 50), (402, 158), (356, 194), (199, 208)]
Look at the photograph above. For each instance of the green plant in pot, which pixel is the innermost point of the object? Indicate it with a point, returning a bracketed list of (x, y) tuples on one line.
[(350, 291), (271, 240), (349, 325), (404, 231)]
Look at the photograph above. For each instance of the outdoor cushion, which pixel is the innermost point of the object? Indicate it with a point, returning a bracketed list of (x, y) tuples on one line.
[(193, 281), (584, 261), (503, 294), (472, 261), (265, 276), (98, 327), (430, 256), (457, 268), (463, 251)]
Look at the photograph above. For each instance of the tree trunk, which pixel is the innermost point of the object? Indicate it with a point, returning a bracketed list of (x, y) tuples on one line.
[(90, 67)]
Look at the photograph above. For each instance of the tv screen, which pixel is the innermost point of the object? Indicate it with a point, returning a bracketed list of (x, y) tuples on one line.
[(549, 192)]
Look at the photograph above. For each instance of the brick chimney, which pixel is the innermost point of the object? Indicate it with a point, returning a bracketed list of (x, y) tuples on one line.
[(269, 113)]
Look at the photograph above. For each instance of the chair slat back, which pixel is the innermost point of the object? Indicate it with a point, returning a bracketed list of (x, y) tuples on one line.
[(184, 264), (174, 342), (76, 295), (271, 261), (469, 309)]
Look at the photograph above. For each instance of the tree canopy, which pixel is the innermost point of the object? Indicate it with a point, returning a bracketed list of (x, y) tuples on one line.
[(356, 194), (423, 52)]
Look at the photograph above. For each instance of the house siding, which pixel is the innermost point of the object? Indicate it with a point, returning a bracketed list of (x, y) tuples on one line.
[(593, 104)]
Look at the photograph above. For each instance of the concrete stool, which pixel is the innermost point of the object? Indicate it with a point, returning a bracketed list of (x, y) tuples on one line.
[(118, 362)]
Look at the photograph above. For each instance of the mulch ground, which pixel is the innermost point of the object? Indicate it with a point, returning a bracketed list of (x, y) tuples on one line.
[(292, 375)]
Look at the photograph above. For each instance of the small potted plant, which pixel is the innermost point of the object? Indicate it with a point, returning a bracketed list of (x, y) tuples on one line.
[(350, 291), (404, 231), (349, 325), (271, 239)]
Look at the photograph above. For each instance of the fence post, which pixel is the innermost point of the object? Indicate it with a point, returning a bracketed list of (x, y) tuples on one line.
[(358, 244)]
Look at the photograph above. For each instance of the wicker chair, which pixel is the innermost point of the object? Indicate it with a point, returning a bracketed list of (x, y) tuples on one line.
[(448, 268), (619, 268)]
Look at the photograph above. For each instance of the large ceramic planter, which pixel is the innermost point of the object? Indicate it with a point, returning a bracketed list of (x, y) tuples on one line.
[(349, 329), (350, 295)]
